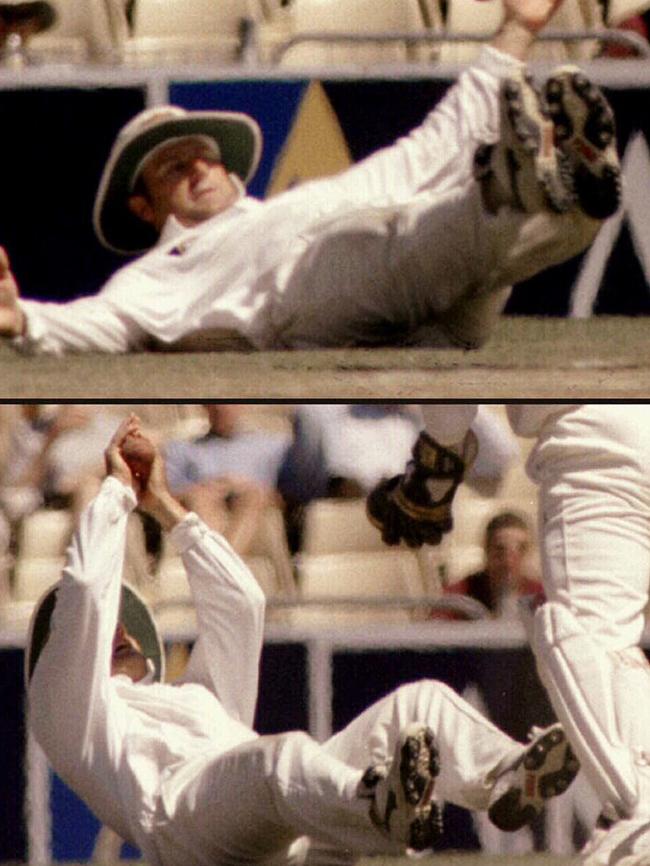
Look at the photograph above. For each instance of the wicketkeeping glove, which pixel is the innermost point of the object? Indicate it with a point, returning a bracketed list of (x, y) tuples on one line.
[(416, 507)]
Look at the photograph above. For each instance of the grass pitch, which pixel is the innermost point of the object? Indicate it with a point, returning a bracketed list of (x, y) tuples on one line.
[(527, 358)]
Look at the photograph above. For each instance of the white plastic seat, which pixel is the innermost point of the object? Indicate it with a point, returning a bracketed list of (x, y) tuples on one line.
[(373, 576), (81, 31), (342, 525), (34, 575), (362, 16), (268, 558), (45, 533), (188, 30), (338, 525)]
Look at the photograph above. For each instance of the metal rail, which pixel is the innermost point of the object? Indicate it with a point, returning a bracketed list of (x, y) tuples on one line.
[(618, 37)]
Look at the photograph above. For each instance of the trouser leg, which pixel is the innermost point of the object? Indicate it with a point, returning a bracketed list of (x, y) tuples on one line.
[(595, 539), (470, 746), (253, 801), (453, 264), (382, 273)]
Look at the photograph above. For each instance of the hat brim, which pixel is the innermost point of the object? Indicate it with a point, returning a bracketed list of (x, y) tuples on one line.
[(134, 614), (237, 136)]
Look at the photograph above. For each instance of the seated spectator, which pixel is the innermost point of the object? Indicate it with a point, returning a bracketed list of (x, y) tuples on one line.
[(51, 452), (506, 575), (228, 476), (343, 449)]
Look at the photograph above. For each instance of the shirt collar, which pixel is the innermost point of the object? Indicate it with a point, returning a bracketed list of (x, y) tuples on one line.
[(173, 228)]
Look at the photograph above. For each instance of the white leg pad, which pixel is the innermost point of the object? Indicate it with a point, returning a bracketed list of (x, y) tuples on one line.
[(580, 677)]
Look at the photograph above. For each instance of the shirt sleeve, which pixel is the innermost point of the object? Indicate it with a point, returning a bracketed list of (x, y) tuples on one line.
[(69, 692), (230, 611), (430, 155), (83, 325)]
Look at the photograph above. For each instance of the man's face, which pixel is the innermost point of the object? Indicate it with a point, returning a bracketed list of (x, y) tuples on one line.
[(127, 657), (186, 179), (506, 552)]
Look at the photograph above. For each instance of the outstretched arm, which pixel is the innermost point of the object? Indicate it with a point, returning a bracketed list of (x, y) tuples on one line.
[(83, 325), (432, 155)]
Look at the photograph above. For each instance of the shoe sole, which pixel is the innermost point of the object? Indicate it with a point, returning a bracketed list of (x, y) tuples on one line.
[(419, 767), (411, 792), (585, 131), (548, 767), (528, 134)]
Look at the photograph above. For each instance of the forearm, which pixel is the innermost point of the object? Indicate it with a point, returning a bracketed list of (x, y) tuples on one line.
[(230, 610), (69, 686)]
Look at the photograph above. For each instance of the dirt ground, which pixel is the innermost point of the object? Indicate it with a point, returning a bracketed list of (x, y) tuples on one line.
[(527, 358)]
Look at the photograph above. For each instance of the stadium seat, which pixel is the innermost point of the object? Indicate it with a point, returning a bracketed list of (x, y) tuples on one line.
[(81, 32), (45, 533), (189, 30), (269, 560), (370, 576), (33, 575), (338, 525), (363, 16)]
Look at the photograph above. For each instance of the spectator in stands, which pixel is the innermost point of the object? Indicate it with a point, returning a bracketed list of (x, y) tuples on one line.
[(50, 461), (228, 476), (51, 452), (506, 575), (344, 449)]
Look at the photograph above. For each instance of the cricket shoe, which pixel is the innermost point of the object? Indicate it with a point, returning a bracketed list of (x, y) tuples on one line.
[(585, 132), (523, 169), (401, 791), (545, 769)]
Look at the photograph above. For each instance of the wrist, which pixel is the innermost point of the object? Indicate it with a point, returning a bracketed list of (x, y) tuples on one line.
[(515, 38), (167, 510)]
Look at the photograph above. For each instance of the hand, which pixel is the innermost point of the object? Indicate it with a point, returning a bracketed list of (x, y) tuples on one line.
[(415, 507), (522, 22), (12, 319), (531, 14), (116, 465)]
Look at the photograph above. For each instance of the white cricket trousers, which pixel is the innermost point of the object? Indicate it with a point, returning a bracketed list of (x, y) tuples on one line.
[(592, 464), (249, 804), (380, 274)]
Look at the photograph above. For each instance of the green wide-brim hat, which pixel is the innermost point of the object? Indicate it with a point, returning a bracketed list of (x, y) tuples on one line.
[(237, 137), (134, 614)]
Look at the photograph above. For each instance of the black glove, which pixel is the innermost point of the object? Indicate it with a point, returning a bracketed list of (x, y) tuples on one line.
[(416, 507)]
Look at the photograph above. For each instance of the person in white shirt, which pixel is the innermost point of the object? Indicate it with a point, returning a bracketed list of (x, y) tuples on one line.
[(592, 465), (417, 244), (178, 770)]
